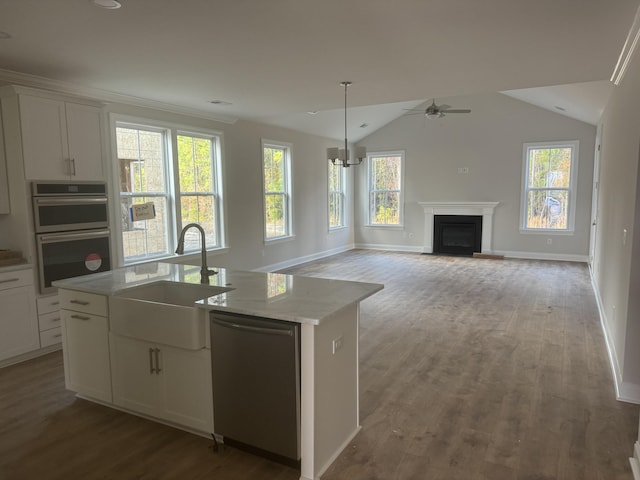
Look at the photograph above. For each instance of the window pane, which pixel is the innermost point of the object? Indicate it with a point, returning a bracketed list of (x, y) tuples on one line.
[(549, 167), (385, 208), (335, 210), (274, 210), (386, 173), (274, 169), (195, 164), (547, 209), (199, 209), (145, 238)]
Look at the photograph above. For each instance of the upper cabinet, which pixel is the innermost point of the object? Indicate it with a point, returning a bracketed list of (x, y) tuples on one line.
[(60, 140), (53, 137)]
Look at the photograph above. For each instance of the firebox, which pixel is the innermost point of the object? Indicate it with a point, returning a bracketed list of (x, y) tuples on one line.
[(457, 234)]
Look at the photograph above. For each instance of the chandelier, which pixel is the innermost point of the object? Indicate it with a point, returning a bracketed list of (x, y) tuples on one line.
[(341, 155)]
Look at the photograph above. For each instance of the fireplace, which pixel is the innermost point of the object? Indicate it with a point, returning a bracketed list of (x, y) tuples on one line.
[(482, 209), (457, 234)]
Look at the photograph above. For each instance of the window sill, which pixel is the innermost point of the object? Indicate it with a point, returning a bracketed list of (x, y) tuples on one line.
[(529, 231), (338, 229), (174, 258), (272, 241), (386, 227)]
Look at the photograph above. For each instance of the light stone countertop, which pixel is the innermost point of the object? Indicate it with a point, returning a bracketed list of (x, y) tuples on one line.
[(270, 295)]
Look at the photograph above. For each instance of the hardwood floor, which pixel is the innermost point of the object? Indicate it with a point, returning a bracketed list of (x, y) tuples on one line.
[(470, 368)]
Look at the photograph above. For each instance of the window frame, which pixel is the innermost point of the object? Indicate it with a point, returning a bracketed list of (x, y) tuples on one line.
[(571, 189), (287, 192), (174, 222), (342, 193), (370, 157)]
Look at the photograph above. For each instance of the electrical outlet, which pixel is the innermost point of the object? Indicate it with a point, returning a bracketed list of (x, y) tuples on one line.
[(336, 344), (549, 241)]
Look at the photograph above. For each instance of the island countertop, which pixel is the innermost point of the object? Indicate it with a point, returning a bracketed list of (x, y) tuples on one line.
[(271, 295)]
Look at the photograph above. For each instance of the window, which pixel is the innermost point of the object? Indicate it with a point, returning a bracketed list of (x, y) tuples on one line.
[(549, 186), (276, 168), (184, 186), (337, 198), (386, 197)]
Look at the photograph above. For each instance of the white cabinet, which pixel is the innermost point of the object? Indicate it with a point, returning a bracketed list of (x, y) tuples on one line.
[(85, 337), (4, 182), (49, 322), (18, 319), (168, 383), (60, 140)]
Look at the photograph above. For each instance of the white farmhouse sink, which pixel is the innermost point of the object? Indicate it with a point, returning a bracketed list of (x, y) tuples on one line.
[(162, 312)]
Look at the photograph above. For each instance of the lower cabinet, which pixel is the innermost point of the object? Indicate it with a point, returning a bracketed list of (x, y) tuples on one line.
[(18, 318), (85, 338), (168, 383)]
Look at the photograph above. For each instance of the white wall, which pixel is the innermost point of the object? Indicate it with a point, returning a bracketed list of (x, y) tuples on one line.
[(616, 264), (489, 142), (242, 159)]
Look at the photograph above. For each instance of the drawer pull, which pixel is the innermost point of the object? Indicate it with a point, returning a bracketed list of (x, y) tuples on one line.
[(55, 303), (79, 302), (80, 317), (9, 280), (58, 335), (55, 319)]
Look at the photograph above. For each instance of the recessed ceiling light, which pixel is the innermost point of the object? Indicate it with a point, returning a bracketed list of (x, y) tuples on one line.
[(5, 36), (561, 109), (219, 102), (313, 112), (364, 125), (108, 4)]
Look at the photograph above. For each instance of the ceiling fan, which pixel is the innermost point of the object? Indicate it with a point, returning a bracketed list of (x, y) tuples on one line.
[(437, 111)]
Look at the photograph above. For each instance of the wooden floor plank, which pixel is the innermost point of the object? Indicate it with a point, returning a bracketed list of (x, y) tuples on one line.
[(470, 368)]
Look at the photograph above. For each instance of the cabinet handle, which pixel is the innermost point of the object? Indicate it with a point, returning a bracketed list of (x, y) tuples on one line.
[(57, 336), (9, 280), (58, 319), (72, 167), (55, 303), (79, 302), (151, 369), (158, 369), (80, 317)]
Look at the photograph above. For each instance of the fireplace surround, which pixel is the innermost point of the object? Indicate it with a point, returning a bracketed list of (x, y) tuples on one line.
[(485, 209)]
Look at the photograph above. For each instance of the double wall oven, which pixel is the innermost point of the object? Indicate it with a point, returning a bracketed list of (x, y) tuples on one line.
[(71, 222)]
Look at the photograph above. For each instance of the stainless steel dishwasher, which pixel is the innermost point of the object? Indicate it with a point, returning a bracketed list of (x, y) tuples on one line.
[(256, 384)]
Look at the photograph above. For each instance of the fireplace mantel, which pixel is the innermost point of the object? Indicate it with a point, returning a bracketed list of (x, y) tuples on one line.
[(459, 208)]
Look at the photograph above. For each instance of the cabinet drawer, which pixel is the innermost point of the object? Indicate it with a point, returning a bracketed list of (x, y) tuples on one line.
[(16, 278), (48, 304), (50, 337), (48, 321), (83, 302)]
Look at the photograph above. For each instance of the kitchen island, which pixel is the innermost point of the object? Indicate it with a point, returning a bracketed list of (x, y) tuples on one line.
[(327, 311)]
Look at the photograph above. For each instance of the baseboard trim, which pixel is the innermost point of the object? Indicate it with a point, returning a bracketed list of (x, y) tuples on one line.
[(560, 257), (625, 391), (30, 355), (391, 248), (635, 462)]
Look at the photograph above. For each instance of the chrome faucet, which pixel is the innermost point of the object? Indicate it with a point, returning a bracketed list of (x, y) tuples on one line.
[(204, 270)]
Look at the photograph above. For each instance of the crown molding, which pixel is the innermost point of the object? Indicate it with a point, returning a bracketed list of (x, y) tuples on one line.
[(629, 47), (105, 96)]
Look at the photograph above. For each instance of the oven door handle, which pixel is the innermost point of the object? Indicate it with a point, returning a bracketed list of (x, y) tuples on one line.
[(70, 201), (73, 236)]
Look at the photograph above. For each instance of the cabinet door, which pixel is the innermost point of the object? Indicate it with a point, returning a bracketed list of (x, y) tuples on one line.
[(186, 387), (44, 138), (18, 322), (135, 387), (86, 354), (84, 132), (4, 182)]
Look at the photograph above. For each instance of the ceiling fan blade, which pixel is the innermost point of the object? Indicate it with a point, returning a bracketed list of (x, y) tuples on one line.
[(457, 111), (421, 112), (443, 107)]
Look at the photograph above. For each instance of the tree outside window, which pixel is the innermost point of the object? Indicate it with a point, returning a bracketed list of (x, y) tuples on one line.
[(549, 186), (385, 188)]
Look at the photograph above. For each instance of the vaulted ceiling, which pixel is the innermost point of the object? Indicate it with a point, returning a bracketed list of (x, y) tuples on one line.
[(275, 60)]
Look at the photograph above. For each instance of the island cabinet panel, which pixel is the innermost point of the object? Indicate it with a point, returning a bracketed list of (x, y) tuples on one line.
[(85, 339), (164, 382), (60, 140)]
